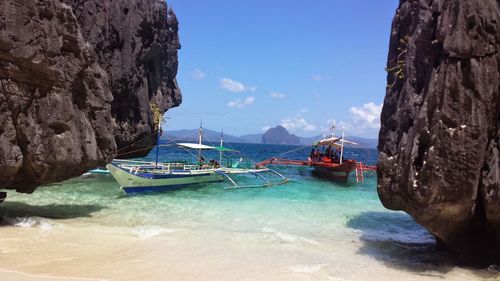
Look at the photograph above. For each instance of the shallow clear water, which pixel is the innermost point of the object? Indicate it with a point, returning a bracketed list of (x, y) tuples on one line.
[(307, 213)]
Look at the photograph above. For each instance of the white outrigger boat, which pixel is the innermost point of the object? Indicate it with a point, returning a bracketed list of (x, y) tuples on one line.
[(141, 176)]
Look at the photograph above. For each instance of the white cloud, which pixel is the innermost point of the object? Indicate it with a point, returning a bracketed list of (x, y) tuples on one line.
[(364, 121), (241, 103), (252, 89), (277, 95), (265, 128), (198, 74), (297, 123), (304, 110), (232, 85), (367, 116)]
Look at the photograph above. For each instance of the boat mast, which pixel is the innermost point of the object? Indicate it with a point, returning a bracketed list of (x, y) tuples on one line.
[(333, 129), (342, 146), (158, 134), (221, 145), (200, 134), (333, 135)]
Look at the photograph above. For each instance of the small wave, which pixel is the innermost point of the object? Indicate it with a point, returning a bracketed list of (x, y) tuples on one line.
[(288, 238), (151, 231), (45, 226), (310, 268), (29, 222), (23, 222)]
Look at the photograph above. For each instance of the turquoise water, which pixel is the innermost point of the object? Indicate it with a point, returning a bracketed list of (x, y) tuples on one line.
[(306, 212)]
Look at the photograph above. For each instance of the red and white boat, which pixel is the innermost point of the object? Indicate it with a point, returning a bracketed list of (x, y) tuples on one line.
[(327, 160)]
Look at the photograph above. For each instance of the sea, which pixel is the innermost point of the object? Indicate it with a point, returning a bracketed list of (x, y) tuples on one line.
[(86, 228)]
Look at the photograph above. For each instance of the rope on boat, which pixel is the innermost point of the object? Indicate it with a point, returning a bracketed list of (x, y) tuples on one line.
[(139, 140), (149, 146), (293, 150), (137, 150)]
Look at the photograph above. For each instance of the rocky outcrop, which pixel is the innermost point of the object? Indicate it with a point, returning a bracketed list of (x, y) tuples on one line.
[(440, 141), (78, 81), (279, 135)]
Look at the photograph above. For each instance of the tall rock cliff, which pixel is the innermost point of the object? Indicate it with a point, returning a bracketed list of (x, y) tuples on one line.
[(440, 137), (79, 82)]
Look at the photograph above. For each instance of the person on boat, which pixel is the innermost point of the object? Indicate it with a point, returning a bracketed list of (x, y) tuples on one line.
[(336, 156), (214, 163), (329, 151), (312, 155), (201, 160), (330, 154), (317, 155)]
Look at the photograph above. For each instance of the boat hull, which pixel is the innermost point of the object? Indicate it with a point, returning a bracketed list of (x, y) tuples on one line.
[(139, 183), (335, 172)]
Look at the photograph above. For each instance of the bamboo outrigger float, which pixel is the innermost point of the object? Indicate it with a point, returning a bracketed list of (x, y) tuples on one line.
[(329, 163)]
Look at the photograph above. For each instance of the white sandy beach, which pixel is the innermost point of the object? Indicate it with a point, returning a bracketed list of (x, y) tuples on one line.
[(77, 252)]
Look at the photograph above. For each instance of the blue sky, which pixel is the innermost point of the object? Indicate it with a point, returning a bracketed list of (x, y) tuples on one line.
[(247, 65)]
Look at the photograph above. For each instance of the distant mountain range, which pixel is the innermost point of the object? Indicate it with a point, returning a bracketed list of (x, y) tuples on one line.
[(214, 137)]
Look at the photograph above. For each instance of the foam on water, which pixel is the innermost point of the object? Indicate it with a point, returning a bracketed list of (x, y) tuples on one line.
[(22, 222), (40, 223), (151, 231), (286, 237)]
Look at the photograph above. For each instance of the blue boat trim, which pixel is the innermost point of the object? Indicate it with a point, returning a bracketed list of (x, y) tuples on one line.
[(147, 189), (157, 176)]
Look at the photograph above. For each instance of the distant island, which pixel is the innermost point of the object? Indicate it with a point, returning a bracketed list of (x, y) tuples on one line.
[(213, 136), (279, 135)]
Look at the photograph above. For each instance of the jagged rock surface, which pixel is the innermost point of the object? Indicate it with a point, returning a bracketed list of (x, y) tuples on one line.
[(76, 82), (136, 42), (439, 141), (279, 135)]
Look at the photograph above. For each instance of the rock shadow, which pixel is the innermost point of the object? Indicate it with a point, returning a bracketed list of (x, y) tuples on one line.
[(398, 241), (52, 211)]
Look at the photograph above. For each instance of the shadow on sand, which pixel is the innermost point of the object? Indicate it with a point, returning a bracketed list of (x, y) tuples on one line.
[(398, 241), (52, 211)]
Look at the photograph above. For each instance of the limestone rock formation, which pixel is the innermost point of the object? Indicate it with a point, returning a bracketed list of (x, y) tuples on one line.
[(440, 137), (279, 135), (77, 81)]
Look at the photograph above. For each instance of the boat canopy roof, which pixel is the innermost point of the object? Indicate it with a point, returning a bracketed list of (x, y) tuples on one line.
[(334, 141), (195, 146)]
